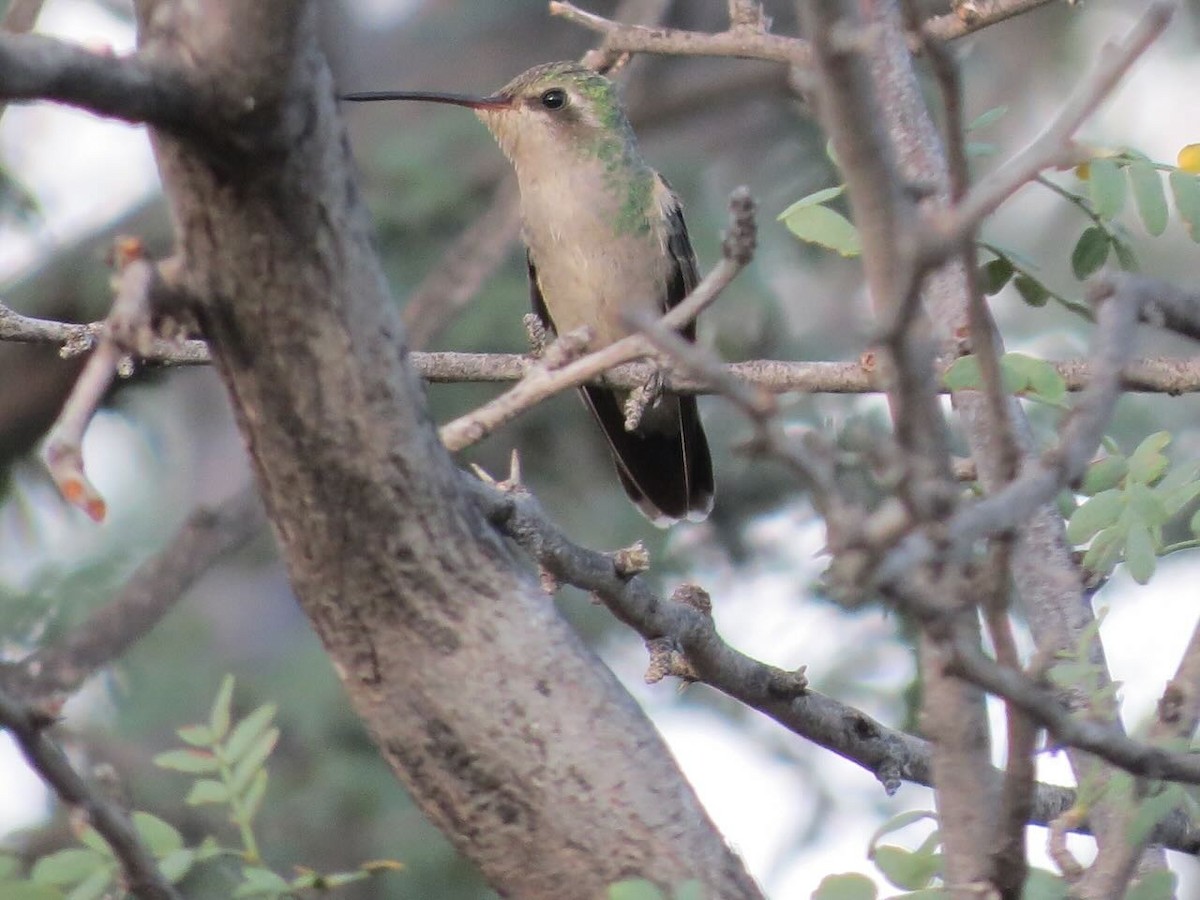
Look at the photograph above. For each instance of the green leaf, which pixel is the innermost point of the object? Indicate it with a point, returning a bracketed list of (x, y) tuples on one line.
[(1094, 514), (984, 119), (634, 889), (1139, 553), (1035, 376), (27, 890), (252, 761), (177, 864), (1153, 810), (1145, 505), (906, 870), (964, 375), (207, 791), (850, 886), (1186, 189), (994, 275), (1149, 195), (248, 730), (1091, 252), (1043, 885), (94, 887), (822, 225), (1147, 463), (194, 762), (1104, 551), (1194, 523), (68, 866), (1176, 500), (690, 890), (816, 198), (1104, 474), (1107, 185), (337, 879), (254, 795), (1156, 885), (260, 882), (898, 823), (218, 718), (196, 735), (1126, 258), (1032, 291), (90, 837), (161, 837)]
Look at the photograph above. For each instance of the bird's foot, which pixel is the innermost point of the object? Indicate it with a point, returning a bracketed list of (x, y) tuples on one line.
[(643, 397)]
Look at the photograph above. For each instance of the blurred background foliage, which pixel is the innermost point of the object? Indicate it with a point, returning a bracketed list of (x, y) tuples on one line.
[(166, 441)]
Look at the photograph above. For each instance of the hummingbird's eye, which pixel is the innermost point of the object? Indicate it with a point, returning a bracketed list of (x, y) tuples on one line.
[(555, 98)]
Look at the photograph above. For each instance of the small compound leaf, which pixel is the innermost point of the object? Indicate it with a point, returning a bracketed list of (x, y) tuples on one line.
[(248, 730), (207, 791), (196, 735), (1032, 291), (635, 889), (1186, 189), (826, 227), (161, 837), (1149, 196), (176, 864), (1126, 258), (194, 762), (1104, 475), (816, 198), (219, 717), (260, 882), (850, 886), (906, 870), (898, 822), (1156, 885), (1147, 463), (964, 374), (1095, 514), (1043, 885), (254, 794), (68, 866), (1107, 185), (1139, 552), (1091, 252), (994, 275), (253, 760)]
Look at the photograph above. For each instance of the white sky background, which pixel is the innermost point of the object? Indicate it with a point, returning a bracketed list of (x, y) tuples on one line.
[(757, 797)]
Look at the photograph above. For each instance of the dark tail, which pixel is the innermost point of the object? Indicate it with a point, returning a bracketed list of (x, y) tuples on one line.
[(664, 463)]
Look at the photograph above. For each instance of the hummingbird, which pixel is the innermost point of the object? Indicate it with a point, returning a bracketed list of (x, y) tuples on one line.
[(604, 234)]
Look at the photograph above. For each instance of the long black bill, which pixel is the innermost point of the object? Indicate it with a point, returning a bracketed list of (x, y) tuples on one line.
[(431, 97)]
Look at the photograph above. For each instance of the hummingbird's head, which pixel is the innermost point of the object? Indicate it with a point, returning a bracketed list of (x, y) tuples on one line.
[(554, 108), (543, 113)]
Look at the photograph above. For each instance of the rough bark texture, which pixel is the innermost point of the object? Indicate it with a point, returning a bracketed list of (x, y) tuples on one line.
[(511, 736)]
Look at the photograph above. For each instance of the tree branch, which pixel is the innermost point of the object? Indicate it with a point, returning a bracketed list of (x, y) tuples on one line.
[(152, 591), (132, 88), (745, 43), (28, 728)]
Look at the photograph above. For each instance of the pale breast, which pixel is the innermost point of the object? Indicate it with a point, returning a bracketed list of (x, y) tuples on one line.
[(588, 267)]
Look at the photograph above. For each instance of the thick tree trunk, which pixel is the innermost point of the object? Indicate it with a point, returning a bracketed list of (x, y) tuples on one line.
[(512, 737)]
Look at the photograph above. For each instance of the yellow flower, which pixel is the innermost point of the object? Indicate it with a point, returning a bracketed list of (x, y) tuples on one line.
[(1189, 159)]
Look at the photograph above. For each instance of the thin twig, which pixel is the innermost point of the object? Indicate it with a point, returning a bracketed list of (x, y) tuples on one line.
[(61, 667), (737, 42), (1155, 374), (28, 728), (971, 16), (63, 453)]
